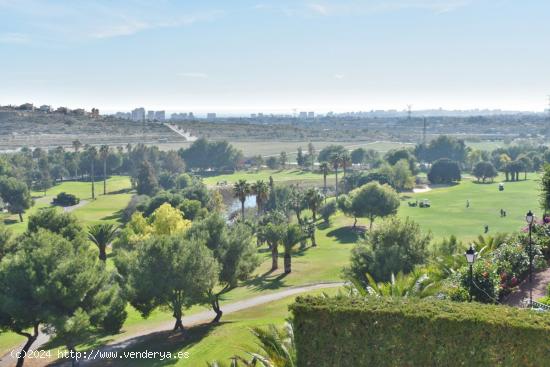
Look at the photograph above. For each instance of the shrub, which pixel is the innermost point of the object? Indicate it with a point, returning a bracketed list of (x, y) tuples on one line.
[(444, 171), (395, 246), (328, 210), (411, 332), (486, 281), (64, 199)]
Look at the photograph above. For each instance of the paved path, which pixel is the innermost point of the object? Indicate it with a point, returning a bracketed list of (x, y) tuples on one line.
[(205, 316), (68, 209), (186, 135), (541, 280)]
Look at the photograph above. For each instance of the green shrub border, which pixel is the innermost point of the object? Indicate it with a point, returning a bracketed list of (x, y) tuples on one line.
[(343, 331)]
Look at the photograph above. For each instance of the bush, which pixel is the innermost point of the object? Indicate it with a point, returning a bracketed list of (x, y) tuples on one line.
[(444, 171), (395, 246), (64, 199), (328, 210), (412, 332), (486, 281)]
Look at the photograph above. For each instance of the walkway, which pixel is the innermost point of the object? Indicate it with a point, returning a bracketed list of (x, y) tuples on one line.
[(541, 280), (205, 316)]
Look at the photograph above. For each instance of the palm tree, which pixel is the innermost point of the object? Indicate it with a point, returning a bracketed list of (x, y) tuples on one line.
[(346, 162), (277, 349), (241, 189), (76, 145), (291, 236), (102, 235), (92, 152), (336, 161), (104, 153), (325, 168), (313, 199), (415, 284), (261, 189), (296, 202), (273, 233)]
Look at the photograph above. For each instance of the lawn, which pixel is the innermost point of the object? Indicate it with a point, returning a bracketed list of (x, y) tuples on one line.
[(448, 213), (104, 208), (207, 342), (288, 175)]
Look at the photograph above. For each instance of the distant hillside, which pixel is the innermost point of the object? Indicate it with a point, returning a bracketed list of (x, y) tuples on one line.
[(39, 129)]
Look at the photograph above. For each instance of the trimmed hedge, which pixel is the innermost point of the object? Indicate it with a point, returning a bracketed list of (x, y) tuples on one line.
[(64, 199), (345, 331)]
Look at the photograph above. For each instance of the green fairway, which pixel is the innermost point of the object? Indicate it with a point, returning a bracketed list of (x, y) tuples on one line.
[(207, 342), (104, 208), (289, 175), (448, 213)]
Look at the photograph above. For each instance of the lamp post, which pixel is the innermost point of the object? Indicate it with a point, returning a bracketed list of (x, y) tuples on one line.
[(471, 258), (529, 218)]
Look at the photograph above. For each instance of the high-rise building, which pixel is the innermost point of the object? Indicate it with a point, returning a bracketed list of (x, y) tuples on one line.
[(138, 114), (160, 116), (211, 116), (311, 115), (303, 115), (150, 115)]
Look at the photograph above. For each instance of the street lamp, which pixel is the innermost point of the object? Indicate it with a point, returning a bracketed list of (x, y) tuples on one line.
[(471, 258), (529, 218)]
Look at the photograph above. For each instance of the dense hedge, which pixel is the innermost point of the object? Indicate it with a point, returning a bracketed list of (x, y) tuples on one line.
[(353, 332), (64, 199)]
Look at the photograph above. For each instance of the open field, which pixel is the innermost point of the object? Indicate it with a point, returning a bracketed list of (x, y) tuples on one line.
[(449, 215), (293, 175)]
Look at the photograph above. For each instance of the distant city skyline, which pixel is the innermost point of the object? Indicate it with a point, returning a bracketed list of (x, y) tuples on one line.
[(242, 57)]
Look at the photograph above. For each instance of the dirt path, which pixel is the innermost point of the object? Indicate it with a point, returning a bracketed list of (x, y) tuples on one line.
[(540, 285), (198, 318)]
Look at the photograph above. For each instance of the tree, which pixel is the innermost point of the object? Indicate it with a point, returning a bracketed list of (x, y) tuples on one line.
[(272, 162), (394, 247), (102, 235), (402, 177), (147, 183), (345, 162), (283, 159), (234, 250), (371, 200), (313, 199), (92, 152), (103, 155), (415, 284), (327, 152), (442, 147), (16, 195), (545, 188), (172, 272), (444, 171), (203, 154), (325, 169), (358, 155), (241, 189), (328, 210), (47, 278), (261, 189), (272, 233), (291, 235), (76, 146), (336, 162), (484, 170), (296, 202), (61, 223), (300, 159), (310, 154)]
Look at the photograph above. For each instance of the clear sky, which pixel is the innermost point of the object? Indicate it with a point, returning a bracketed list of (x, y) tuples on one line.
[(245, 56)]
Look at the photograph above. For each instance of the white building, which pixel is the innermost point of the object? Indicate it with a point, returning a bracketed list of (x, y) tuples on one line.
[(303, 115), (138, 114), (211, 116), (150, 115), (160, 116), (45, 108), (311, 115)]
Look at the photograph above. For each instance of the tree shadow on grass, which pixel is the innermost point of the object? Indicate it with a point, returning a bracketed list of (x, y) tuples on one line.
[(344, 235), (267, 280), (115, 216)]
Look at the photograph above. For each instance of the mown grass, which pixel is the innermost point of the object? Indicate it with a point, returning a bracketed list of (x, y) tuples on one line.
[(448, 213)]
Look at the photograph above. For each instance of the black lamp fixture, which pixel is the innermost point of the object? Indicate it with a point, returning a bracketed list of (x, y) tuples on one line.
[(471, 255)]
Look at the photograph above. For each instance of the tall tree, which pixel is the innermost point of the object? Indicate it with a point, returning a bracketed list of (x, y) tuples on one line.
[(261, 189), (76, 146), (241, 189), (92, 152), (102, 235), (336, 161), (314, 200), (147, 183), (104, 154), (283, 159), (291, 235), (325, 169)]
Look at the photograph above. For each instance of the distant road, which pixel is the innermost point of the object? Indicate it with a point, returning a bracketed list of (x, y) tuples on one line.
[(186, 135)]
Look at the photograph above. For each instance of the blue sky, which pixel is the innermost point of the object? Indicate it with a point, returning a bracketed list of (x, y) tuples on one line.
[(245, 56)]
